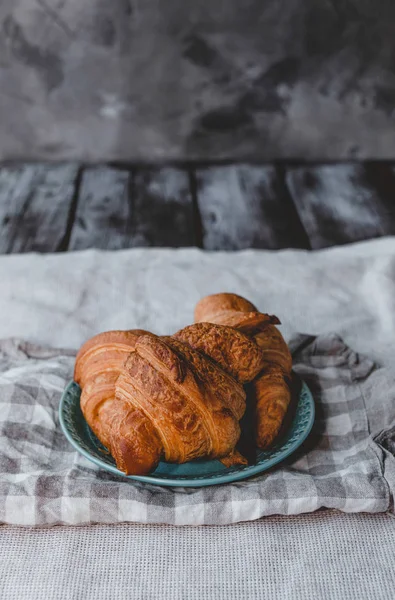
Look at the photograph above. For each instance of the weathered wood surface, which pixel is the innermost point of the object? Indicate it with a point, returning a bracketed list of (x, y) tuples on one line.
[(163, 211), (340, 204), (247, 207), (35, 203), (121, 209), (49, 208), (103, 216)]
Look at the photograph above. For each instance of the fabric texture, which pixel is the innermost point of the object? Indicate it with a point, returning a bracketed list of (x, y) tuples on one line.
[(62, 299), (326, 555), (44, 481)]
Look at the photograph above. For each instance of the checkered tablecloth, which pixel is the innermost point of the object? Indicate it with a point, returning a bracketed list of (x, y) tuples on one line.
[(347, 463)]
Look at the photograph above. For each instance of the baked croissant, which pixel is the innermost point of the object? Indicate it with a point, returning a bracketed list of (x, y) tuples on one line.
[(271, 391), (122, 428), (180, 397)]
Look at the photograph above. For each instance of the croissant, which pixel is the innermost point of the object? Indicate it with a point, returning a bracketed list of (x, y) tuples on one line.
[(234, 311), (180, 397), (123, 429), (270, 390)]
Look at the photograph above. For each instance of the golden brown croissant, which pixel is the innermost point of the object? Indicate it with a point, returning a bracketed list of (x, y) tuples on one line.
[(177, 396), (123, 429), (271, 389), (234, 311), (234, 351)]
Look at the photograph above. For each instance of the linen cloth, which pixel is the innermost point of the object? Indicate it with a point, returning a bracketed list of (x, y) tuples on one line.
[(323, 555), (63, 299), (320, 556), (44, 481)]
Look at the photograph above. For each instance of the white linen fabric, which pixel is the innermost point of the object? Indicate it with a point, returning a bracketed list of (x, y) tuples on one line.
[(61, 300), (320, 556)]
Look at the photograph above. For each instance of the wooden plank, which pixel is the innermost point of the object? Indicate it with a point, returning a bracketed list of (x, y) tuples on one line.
[(381, 176), (103, 213), (35, 202), (247, 207), (338, 204), (163, 210), (118, 209)]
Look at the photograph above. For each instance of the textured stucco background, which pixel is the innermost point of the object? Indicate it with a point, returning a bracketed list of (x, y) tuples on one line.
[(160, 80)]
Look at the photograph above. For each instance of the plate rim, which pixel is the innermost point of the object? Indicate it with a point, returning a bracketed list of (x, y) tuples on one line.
[(247, 472)]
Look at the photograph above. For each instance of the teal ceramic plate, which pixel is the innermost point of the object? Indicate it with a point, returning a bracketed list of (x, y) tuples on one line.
[(196, 473)]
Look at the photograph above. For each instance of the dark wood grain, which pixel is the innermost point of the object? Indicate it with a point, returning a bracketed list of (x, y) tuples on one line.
[(341, 204), (163, 212), (381, 176), (103, 216), (49, 208), (121, 209), (35, 201), (247, 207)]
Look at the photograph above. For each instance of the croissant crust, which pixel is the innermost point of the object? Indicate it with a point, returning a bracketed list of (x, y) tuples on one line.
[(147, 397), (181, 397), (270, 391)]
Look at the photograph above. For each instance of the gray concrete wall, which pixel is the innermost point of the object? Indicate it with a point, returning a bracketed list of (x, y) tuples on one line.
[(160, 80)]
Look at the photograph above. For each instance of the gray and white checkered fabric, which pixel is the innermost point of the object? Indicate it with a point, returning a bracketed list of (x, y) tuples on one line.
[(342, 465)]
